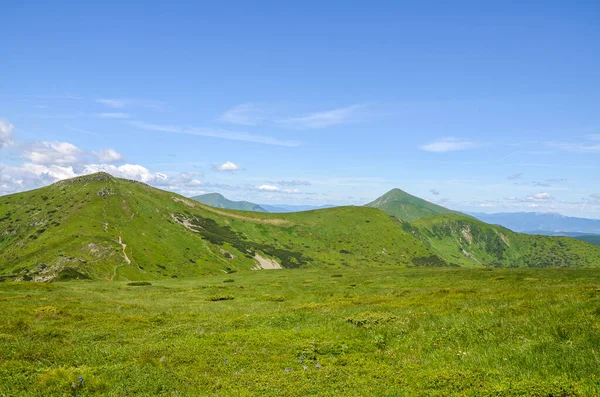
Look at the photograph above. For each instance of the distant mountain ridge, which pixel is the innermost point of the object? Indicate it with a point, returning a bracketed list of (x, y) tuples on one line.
[(219, 201), (541, 223)]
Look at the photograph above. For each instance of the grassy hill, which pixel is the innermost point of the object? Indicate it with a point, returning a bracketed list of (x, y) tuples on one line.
[(219, 201), (101, 227), (407, 207), (465, 241)]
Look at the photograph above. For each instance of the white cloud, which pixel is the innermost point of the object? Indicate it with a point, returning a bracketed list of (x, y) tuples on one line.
[(276, 189), (514, 177), (435, 192), (539, 197), (448, 145), (244, 114), (57, 153), (595, 196), (6, 130), (29, 176), (56, 172), (227, 166), (127, 171), (268, 188), (113, 115), (109, 156), (324, 119), (215, 133), (48, 162)]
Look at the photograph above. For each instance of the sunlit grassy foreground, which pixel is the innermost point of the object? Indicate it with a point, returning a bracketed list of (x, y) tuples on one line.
[(400, 332)]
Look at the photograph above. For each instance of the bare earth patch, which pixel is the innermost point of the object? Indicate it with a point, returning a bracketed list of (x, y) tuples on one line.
[(265, 263)]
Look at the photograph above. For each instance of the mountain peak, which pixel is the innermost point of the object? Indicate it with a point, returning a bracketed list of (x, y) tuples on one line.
[(96, 177), (405, 206)]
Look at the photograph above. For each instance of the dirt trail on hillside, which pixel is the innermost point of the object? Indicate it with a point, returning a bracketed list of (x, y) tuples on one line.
[(123, 245)]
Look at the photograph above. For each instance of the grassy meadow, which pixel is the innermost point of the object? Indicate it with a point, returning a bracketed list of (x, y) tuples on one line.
[(354, 332)]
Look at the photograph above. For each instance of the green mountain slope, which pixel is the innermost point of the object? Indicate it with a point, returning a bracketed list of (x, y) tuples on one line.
[(101, 227), (219, 201), (405, 206), (590, 238), (465, 241)]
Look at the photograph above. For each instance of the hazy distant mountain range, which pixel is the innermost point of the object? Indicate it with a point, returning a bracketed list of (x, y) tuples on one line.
[(542, 223), (220, 201)]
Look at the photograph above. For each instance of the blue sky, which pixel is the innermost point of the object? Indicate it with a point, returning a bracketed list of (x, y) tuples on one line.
[(480, 106)]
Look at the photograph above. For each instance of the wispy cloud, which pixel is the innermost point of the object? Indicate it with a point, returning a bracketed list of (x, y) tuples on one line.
[(539, 197), (294, 182), (122, 103), (534, 198), (215, 133), (66, 95), (514, 177), (578, 147), (325, 119), (113, 115), (81, 130), (435, 192), (244, 114), (448, 145)]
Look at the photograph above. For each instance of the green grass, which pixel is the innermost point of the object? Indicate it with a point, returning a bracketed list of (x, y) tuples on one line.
[(351, 332)]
